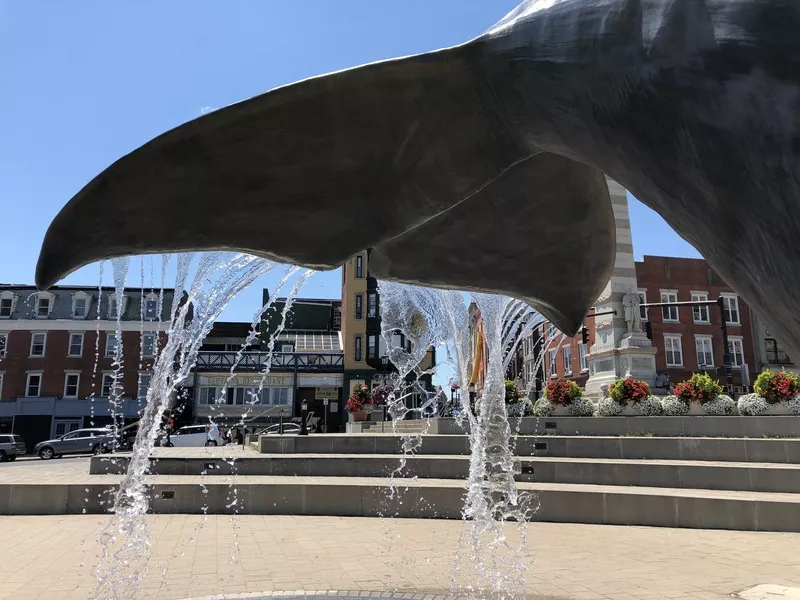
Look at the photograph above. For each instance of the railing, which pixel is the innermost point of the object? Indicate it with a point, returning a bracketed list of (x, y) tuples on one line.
[(257, 361)]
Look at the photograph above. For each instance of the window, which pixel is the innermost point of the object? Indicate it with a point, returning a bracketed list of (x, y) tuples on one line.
[(551, 331), (359, 306), (208, 395), (582, 357), (736, 349), (705, 355), (63, 426), (75, 344), (372, 346), (43, 306), (357, 348), (669, 313), (567, 356), (71, 381), (6, 306), (775, 356), (112, 305), (372, 305), (38, 343), (730, 305), (111, 344), (149, 345), (553, 370), (700, 313), (643, 312), (80, 305), (151, 308), (359, 266), (280, 396), (109, 386), (673, 352), (3, 344), (33, 387), (1, 386), (144, 385)]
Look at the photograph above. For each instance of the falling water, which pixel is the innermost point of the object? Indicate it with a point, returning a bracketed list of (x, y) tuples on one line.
[(429, 318), (218, 278)]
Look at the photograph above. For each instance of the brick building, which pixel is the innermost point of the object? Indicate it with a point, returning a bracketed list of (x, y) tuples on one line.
[(57, 353), (688, 339)]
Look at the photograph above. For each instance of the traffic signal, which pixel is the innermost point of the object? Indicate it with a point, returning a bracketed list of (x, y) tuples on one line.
[(648, 330), (585, 334)]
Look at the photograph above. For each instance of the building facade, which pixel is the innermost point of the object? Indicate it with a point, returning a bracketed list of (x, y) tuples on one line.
[(58, 351), (363, 344)]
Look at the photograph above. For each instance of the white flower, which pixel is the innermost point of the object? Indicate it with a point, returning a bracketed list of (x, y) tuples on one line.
[(794, 405), (674, 406), (543, 408), (720, 405), (752, 405), (609, 408), (649, 407), (519, 409), (580, 407)]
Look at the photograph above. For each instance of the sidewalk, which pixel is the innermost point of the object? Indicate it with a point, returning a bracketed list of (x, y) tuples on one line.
[(54, 557)]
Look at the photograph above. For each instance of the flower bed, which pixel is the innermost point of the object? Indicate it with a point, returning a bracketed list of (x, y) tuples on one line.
[(776, 392), (631, 397), (563, 396)]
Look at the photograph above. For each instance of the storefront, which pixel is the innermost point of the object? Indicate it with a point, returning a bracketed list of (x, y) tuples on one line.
[(254, 397)]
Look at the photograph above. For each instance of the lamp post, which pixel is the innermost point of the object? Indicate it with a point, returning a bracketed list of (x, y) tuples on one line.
[(472, 395), (280, 423), (303, 410), (326, 402)]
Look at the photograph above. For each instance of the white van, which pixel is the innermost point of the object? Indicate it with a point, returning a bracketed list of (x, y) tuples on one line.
[(196, 435)]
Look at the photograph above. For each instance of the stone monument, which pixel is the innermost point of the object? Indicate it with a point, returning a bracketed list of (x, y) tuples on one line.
[(620, 349)]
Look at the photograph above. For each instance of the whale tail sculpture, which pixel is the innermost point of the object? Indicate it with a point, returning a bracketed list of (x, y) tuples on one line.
[(481, 166)]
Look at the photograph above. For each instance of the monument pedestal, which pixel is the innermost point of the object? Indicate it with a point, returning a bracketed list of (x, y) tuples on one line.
[(617, 352)]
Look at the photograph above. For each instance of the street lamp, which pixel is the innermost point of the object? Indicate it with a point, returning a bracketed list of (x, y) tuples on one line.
[(303, 410), (385, 365), (280, 423), (472, 394)]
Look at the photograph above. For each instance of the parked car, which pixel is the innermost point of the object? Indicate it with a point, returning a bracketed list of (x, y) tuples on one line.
[(288, 429), (195, 435), (11, 446), (95, 440)]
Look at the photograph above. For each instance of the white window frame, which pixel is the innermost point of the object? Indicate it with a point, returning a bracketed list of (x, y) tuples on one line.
[(80, 296), (566, 357), (4, 349), (151, 297), (69, 344), (733, 341), (359, 266), (668, 293), (700, 297), (109, 335), (153, 345), (44, 344), (9, 295), (644, 312), (704, 338), (673, 336), (583, 354), (139, 384), (553, 367), (67, 375), (727, 299), (110, 375), (372, 305), (38, 374), (51, 300), (112, 305), (358, 349)]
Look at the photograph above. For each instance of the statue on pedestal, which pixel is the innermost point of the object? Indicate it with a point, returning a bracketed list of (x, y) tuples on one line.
[(633, 313)]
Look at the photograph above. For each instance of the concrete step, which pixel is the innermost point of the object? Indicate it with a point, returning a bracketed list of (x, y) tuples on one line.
[(668, 448), (417, 498), (757, 477), (690, 425)]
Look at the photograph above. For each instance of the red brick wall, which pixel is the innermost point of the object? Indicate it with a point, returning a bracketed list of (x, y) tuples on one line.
[(55, 363), (685, 276), (573, 344)]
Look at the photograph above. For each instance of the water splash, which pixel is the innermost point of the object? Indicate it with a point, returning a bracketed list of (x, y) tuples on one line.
[(219, 276)]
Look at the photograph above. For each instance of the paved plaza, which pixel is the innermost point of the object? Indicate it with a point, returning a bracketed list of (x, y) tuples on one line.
[(48, 557)]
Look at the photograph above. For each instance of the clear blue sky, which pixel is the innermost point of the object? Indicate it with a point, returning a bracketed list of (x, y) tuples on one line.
[(82, 83)]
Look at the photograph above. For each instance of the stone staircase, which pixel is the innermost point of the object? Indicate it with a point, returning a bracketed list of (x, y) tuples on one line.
[(704, 482)]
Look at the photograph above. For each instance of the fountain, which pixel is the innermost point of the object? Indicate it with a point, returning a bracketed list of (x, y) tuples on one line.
[(444, 164)]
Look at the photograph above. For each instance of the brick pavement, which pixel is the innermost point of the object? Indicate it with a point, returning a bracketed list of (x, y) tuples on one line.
[(191, 556)]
